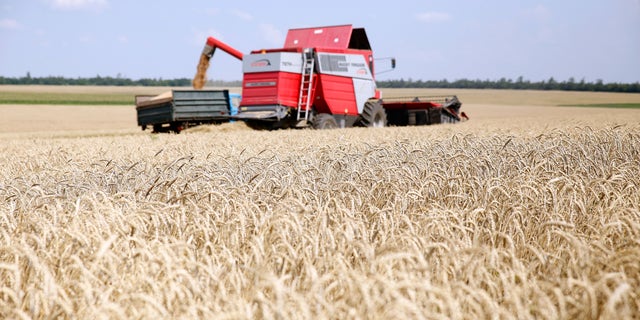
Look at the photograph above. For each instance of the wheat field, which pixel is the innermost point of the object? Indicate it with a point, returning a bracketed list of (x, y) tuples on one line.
[(535, 218)]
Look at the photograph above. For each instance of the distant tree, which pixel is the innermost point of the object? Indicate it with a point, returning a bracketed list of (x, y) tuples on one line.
[(551, 84)]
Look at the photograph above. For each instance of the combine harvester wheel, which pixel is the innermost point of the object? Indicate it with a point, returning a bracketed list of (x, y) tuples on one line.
[(373, 115), (324, 121)]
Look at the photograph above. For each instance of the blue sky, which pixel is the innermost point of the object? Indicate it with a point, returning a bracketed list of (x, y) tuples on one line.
[(431, 40)]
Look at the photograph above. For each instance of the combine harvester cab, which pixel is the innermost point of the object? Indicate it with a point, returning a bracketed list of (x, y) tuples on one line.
[(323, 77)]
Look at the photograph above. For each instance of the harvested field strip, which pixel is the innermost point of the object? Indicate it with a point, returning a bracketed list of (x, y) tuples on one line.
[(606, 105)]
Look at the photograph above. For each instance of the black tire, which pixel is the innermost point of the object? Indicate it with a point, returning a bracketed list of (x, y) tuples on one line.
[(324, 121), (177, 127), (373, 115)]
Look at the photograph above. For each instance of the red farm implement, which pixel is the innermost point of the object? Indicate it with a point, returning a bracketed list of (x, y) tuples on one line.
[(324, 77)]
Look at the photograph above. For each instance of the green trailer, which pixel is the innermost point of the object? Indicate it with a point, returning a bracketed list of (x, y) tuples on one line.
[(177, 110)]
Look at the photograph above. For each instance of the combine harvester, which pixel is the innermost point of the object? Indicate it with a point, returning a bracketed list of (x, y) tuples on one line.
[(324, 78)]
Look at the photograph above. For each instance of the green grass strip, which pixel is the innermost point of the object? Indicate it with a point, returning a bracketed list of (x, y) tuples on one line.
[(66, 102), (66, 98), (605, 105)]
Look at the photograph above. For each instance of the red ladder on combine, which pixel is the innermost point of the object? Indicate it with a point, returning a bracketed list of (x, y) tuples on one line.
[(306, 84)]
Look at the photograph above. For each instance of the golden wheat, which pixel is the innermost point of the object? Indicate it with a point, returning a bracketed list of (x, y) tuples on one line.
[(442, 222)]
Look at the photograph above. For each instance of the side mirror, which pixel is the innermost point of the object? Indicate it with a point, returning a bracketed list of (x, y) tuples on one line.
[(393, 64)]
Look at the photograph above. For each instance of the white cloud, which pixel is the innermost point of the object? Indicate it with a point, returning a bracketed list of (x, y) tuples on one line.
[(122, 39), (540, 12), (242, 15), (79, 4), (433, 17), (9, 24), (271, 34), (212, 11)]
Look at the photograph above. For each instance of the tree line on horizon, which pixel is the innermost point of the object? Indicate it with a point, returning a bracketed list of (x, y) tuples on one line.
[(519, 84)]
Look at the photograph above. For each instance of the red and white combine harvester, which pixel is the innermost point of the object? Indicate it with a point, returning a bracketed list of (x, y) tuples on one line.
[(324, 77)]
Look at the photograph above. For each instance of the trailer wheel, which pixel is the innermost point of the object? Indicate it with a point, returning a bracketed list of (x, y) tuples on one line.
[(324, 121), (373, 115), (177, 127)]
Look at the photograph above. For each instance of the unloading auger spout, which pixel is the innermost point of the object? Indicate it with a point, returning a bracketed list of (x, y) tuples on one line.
[(200, 79)]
